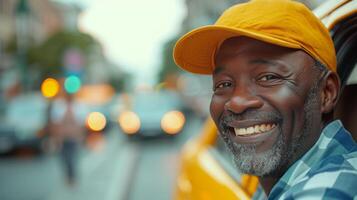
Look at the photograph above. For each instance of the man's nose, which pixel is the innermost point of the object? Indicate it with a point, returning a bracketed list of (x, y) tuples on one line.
[(243, 100)]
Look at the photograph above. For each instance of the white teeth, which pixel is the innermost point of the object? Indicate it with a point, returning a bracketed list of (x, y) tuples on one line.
[(250, 130), (263, 128), (242, 131), (268, 127), (254, 129)]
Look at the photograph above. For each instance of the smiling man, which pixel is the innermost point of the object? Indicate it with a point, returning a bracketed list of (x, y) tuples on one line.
[(275, 87)]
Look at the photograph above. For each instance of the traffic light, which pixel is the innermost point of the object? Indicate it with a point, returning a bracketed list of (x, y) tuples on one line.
[(72, 84), (50, 87)]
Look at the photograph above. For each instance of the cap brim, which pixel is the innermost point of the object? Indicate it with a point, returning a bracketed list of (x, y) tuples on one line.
[(195, 51)]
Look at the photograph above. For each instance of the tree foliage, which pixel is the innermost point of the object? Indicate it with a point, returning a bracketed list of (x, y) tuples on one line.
[(168, 65), (48, 56)]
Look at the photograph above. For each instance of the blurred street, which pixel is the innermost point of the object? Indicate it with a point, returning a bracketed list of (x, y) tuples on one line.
[(117, 168), (92, 107), (92, 104)]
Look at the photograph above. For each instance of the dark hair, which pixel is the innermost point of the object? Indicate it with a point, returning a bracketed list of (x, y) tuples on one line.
[(321, 69), (320, 66)]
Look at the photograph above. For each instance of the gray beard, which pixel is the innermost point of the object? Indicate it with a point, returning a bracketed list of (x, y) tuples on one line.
[(259, 164), (247, 160)]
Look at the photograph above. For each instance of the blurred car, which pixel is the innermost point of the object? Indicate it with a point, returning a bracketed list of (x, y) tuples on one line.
[(152, 114), (26, 116), (24, 119), (207, 172), (96, 105)]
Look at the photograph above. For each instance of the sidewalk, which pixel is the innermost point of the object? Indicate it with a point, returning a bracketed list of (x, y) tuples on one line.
[(102, 175)]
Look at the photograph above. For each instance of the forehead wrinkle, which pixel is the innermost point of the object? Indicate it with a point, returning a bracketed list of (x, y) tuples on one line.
[(275, 63), (260, 61), (225, 51), (263, 61)]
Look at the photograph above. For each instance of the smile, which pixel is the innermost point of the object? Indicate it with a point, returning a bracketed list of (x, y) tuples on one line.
[(248, 132), (255, 129)]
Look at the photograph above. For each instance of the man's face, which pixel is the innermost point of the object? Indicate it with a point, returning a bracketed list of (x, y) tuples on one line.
[(265, 104)]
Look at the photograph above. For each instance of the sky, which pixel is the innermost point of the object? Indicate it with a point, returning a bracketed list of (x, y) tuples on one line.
[(132, 32)]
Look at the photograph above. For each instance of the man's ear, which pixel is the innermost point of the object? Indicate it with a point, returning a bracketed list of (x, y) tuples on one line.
[(330, 92)]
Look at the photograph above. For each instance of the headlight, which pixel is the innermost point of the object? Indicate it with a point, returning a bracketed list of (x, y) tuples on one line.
[(129, 122), (96, 121), (172, 122)]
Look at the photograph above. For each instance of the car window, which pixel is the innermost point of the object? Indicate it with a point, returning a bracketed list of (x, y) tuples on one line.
[(352, 79), (344, 35), (29, 110), (149, 102), (155, 102)]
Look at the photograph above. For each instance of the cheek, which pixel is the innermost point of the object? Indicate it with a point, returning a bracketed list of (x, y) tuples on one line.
[(217, 107), (285, 99), (291, 106)]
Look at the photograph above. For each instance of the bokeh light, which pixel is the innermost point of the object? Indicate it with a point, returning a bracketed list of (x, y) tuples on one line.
[(96, 121), (129, 122), (173, 122), (72, 84), (50, 87)]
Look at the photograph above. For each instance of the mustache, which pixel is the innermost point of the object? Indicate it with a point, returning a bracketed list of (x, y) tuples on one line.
[(252, 115)]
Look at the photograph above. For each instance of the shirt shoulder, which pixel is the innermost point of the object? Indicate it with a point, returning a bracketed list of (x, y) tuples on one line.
[(334, 178), (335, 163)]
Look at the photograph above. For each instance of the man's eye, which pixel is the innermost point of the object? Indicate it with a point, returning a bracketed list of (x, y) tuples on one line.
[(268, 77), (222, 85)]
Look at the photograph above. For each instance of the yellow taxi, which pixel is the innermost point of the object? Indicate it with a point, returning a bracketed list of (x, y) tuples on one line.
[(206, 168), (206, 171)]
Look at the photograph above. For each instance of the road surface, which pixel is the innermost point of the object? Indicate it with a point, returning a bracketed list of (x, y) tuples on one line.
[(114, 168)]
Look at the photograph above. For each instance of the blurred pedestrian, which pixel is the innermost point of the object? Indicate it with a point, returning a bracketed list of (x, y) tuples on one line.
[(67, 133)]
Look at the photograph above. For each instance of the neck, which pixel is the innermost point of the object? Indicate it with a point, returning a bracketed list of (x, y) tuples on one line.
[(268, 183)]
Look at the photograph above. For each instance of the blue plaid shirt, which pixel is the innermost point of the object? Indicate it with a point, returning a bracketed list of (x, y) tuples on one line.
[(327, 171)]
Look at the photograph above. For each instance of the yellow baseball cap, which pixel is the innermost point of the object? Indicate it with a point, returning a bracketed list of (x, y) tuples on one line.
[(281, 22)]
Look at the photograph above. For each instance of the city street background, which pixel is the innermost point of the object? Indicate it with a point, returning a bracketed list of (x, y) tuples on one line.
[(118, 169), (92, 105)]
